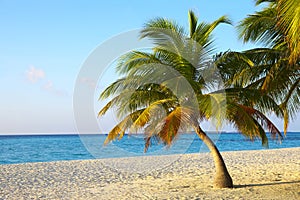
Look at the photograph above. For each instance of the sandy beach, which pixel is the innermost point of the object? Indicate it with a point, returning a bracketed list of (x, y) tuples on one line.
[(264, 174)]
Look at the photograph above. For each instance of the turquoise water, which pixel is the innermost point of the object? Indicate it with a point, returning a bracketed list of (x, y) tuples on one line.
[(44, 148)]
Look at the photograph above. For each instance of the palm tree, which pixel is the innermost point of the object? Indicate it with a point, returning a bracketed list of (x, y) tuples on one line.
[(267, 70), (274, 69), (175, 87), (276, 25), (289, 23)]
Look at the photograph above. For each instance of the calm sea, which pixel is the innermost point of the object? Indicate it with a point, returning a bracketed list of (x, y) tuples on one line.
[(44, 148)]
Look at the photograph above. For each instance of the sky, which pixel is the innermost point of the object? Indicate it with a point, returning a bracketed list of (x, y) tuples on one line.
[(43, 45)]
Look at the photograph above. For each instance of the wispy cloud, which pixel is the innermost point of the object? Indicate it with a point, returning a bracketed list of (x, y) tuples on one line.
[(33, 74), (48, 86), (38, 76)]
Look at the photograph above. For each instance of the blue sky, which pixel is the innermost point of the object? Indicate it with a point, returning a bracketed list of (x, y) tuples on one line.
[(44, 43)]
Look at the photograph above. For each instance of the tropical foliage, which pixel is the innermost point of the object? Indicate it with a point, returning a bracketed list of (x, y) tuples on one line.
[(276, 26), (289, 23), (275, 69)]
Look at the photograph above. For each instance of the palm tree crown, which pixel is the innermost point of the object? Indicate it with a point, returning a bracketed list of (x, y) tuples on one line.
[(274, 69), (176, 86)]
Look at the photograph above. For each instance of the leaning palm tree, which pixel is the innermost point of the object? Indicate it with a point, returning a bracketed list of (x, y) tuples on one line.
[(175, 87)]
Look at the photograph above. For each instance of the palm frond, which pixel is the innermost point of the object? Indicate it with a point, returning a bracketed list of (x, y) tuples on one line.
[(153, 110), (193, 21), (168, 128), (121, 127), (264, 121), (291, 103), (251, 122), (164, 33), (289, 23), (203, 32), (264, 1), (261, 28), (134, 59), (112, 89)]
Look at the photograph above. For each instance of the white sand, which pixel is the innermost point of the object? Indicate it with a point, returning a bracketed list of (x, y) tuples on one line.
[(266, 174)]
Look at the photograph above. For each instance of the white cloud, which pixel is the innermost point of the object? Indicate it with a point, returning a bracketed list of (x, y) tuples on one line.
[(33, 75), (48, 86)]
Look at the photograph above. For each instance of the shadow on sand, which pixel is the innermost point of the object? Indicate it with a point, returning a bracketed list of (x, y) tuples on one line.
[(264, 184)]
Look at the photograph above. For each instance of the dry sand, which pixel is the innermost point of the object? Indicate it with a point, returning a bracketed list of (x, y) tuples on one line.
[(265, 174)]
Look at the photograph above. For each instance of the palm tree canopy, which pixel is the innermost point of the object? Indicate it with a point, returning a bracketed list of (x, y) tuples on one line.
[(276, 26), (176, 86), (289, 23), (275, 69), (261, 27)]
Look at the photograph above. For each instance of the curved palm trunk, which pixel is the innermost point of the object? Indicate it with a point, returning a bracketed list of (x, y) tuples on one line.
[(222, 178)]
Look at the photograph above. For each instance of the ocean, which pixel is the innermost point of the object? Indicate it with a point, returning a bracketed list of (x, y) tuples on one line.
[(44, 148)]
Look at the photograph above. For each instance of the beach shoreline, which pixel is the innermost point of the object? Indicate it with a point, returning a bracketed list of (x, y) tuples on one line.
[(257, 174)]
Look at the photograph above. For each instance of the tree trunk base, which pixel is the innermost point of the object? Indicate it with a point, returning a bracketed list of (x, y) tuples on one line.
[(223, 181)]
